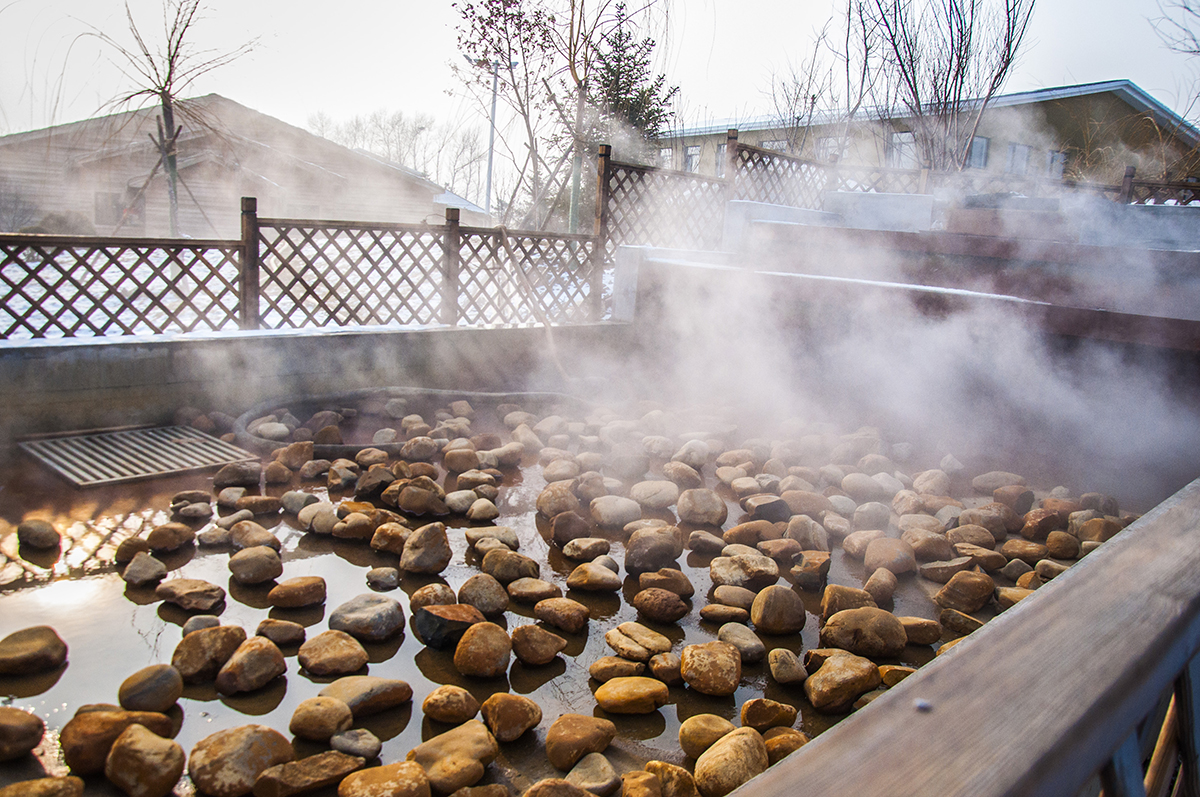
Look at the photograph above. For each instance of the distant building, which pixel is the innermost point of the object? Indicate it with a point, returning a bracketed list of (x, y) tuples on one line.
[(102, 171), (1089, 132)]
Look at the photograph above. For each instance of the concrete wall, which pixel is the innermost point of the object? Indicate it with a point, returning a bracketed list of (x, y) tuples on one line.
[(62, 386)]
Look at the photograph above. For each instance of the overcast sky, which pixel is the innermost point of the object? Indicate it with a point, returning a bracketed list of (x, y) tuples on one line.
[(355, 56)]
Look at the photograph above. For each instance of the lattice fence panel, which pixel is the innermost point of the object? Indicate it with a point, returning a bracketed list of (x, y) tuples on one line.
[(1146, 193), (657, 207), (763, 176), (559, 270), (71, 288), (349, 275)]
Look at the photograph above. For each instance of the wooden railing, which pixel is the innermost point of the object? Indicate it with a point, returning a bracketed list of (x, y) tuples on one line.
[(294, 274)]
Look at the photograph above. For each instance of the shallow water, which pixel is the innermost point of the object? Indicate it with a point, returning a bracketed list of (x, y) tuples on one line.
[(113, 631)]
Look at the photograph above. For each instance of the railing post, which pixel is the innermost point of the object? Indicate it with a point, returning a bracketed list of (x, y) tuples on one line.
[(1127, 186), (600, 247), (451, 257), (249, 284), (731, 161)]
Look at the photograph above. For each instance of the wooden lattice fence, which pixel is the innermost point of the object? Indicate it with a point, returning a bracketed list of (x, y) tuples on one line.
[(646, 206), (71, 287), (298, 274)]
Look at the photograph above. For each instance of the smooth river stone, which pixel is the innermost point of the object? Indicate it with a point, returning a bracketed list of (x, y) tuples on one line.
[(731, 761), (458, 757), (190, 594), (319, 718), (144, 764), (483, 652), (866, 631), (227, 763), (572, 736), (777, 610), (368, 694), (255, 663), (632, 695), (20, 732), (369, 618), (508, 716), (450, 704), (200, 655), (712, 668), (32, 650), (332, 653), (153, 688), (88, 736), (839, 681), (402, 779), (699, 732)]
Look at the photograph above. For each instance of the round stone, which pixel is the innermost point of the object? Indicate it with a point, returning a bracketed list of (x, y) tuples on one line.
[(319, 718), (450, 704), (153, 688), (712, 668), (31, 650), (483, 652), (660, 605), (39, 534), (536, 646), (228, 762), (572, 736), (633, 695), (332, 653), (370, 618), (508, 716), (699, 732), (20, 732), (777, 610)]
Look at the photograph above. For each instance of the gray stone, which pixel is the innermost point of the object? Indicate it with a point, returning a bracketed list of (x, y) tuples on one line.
[(144, 569), (750, 647), (370, 618)]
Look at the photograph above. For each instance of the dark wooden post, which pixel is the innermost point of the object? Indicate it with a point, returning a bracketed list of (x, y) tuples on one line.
[(731, 161), (1127, 186), (451, 257), (248, 296), (600, 246)]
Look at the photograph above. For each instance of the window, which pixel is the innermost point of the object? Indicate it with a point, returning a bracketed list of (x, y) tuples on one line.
[(1056, 163), (1018, 159), (720, 171), (830, 148), (664, 158), (691, 158), (902, 151), (977, 157), (777, 144)]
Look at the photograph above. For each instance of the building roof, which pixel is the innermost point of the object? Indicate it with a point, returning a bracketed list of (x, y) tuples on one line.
[(235, 124), (1126, 90)]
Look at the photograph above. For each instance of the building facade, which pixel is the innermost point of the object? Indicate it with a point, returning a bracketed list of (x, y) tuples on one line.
[(1087, 132)]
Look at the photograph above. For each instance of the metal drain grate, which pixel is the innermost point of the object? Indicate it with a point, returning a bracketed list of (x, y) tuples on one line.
[(91, 459)]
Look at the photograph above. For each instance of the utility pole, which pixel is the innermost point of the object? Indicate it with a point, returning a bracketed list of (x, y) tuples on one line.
[(495, 66)]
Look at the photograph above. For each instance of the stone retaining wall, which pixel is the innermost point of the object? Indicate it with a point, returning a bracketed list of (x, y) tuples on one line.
[(67, 385)]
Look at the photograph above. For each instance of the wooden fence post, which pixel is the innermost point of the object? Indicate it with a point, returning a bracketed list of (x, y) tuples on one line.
[(451, 258), (249, 284), (731, 161), (600, 246), (1127, 186)]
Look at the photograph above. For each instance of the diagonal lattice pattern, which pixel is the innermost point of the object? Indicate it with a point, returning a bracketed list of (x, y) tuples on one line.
[(349, 275), (54, 287), (560, 269), (658, 207)]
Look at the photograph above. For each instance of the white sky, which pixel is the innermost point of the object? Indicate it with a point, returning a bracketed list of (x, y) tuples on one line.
[(355, 56)]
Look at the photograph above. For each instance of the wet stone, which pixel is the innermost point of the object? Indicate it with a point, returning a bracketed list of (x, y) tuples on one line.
[(144, 569), (144, 764), (370, 618), (255, 565), (777, 610), (88, 737), (401, 779), (383, 578), (532, 590), (606, 668), (786, 667), (585, 549), (632, 695), (198, 622), (732, 760), (563, 613), (332, 653), (866, 631), (295, 593), (750, 648), (442, 626), (484, 593), (839, 681), (191, 594), (153, 688), (358, 742), (483, 652), (660, 605), (593, 577), (255, 663), (762, 713), (458, 757), (701, 731), (713, 668), (283, 633), (450, 704), (32, 650), (20, 732), (368, 694), (536, 646), (228, 762), (508, 716), (595, 774), (573, 736)]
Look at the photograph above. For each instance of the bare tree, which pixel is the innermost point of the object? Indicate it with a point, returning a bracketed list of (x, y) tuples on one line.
[(945, 60), (163, 72)]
